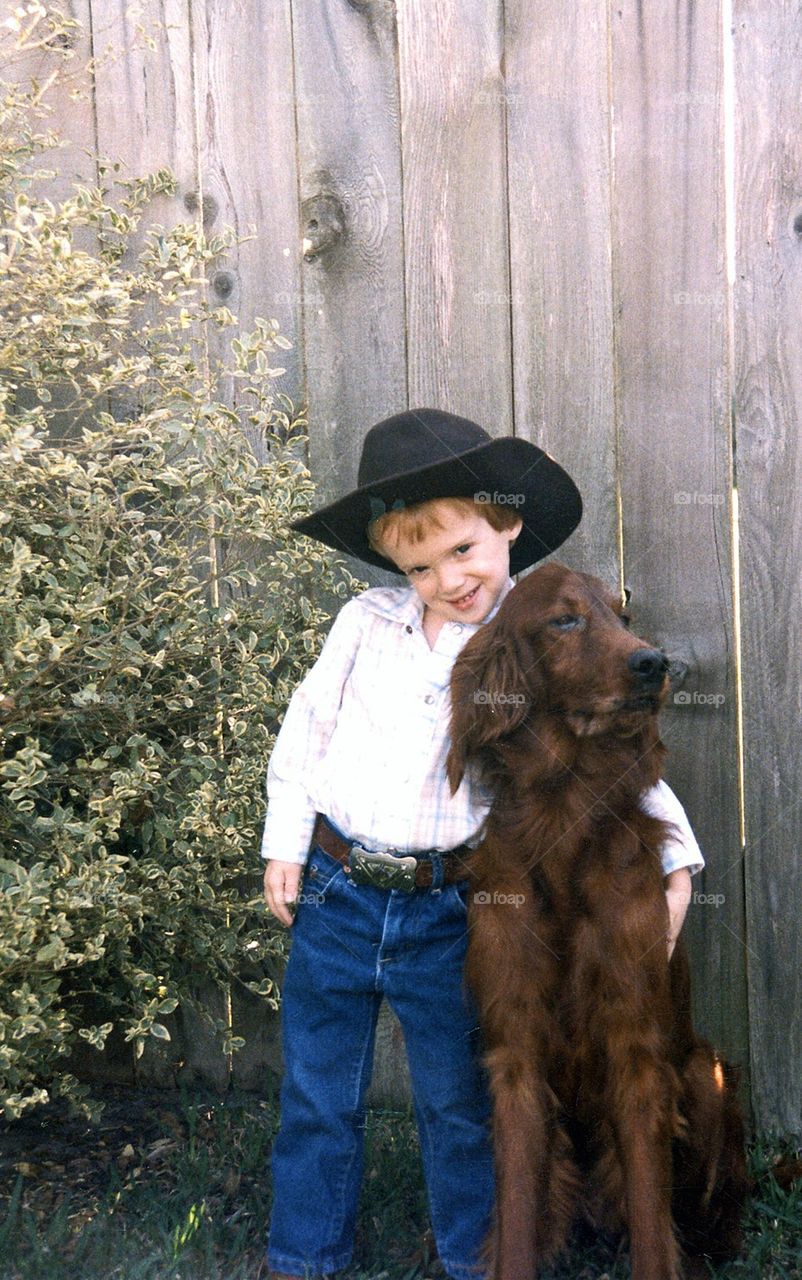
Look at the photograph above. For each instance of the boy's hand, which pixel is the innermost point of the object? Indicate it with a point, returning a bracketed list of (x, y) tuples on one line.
[(282, 882), (677, 885)]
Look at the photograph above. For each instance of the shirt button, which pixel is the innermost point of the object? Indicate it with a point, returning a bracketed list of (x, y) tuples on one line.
[(408, 629), (457, 627), (429, 698)]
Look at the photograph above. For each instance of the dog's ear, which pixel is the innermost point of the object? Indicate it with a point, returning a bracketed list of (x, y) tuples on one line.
[(490, 696)]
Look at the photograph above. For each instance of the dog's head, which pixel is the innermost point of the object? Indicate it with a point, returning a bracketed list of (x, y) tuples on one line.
[(558, 648)]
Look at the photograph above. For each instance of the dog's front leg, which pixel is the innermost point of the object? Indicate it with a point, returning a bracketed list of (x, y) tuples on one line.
[(642, 1105), (647, 1180), (509, 971), (520, 1145)]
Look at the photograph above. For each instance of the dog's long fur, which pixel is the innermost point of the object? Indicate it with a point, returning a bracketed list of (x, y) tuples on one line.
[(605, 1099)]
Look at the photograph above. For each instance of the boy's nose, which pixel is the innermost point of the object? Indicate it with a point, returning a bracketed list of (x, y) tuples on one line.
[(450, 583)]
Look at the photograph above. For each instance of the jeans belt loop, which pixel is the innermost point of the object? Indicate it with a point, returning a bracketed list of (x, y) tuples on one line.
[(438, 872)]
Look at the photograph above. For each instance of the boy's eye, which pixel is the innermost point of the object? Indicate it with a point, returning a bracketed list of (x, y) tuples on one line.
[(626, 619), (422, 568)]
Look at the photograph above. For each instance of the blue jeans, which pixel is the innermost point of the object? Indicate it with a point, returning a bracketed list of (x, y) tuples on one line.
[(352, 944)]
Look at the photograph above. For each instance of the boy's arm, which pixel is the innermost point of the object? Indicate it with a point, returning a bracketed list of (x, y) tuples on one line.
[(302, 740), (680, 848), (282, 882), (680, 855), (678, 895)]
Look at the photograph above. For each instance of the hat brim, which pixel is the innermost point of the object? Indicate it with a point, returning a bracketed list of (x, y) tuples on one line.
[(507, 471)]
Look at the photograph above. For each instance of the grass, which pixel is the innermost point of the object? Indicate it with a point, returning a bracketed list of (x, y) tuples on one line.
[(169, 1187)]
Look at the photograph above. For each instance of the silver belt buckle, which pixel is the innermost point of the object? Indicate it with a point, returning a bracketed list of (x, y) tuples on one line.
[(382, 870)]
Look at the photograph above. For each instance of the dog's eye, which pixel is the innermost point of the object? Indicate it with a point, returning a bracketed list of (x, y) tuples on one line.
[(567, 621)]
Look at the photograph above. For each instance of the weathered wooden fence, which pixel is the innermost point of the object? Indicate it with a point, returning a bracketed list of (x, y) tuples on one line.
[(578, 222)]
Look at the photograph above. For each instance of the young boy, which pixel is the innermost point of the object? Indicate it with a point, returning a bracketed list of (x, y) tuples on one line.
[(358, 770)]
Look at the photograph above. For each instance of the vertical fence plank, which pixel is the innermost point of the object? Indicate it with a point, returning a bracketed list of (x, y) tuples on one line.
[(674, 442), (559, 192), (146, 113), (69, 112), (768, 407), (248, 163), (70, 95), (353, 323), (350, 187), (245, 103), (144, 109), (455, 220)]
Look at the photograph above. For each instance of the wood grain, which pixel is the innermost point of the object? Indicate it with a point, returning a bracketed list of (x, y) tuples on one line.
[(143, 96), (62, 76), (247, 144), (557, 106), (456, 254), (146, 111), (674, 455), (768, 407), (69, 96), (346, 101)]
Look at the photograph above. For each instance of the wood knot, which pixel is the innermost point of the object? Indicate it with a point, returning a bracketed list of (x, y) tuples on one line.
[(209, 206), (66, 39), (223, 283), (678, 670), (323, 220)]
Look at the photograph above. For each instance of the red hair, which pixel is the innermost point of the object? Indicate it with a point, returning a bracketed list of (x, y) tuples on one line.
[(415, 521)]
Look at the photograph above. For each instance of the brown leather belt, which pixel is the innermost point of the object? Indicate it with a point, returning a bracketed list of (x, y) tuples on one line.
[(390, 870)]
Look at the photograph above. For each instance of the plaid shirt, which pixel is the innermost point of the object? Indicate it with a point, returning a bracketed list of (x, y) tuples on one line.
[(365, 739)]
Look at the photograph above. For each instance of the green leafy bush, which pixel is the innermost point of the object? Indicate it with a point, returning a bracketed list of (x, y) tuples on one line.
[(154, 617)]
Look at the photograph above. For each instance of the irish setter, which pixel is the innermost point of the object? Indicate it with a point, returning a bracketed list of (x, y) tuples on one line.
[(604, 1098)]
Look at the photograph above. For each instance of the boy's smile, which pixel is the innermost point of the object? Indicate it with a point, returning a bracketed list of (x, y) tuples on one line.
[(458, 571)]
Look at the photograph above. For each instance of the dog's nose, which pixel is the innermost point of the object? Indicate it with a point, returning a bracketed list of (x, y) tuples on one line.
[(649, 666)]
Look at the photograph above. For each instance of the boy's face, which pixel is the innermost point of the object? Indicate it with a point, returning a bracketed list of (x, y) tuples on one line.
[(458, 571)]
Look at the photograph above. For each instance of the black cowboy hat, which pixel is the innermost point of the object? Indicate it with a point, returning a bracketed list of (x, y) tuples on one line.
[(426, 453)]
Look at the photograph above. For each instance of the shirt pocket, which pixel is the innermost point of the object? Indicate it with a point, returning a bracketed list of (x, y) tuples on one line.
[(378, 688)]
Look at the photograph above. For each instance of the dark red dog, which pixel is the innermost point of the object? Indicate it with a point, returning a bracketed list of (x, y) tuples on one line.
[(605, 1099)]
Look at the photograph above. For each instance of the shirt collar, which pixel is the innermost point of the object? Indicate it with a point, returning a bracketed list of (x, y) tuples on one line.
[(404, 606), (502, 596)]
